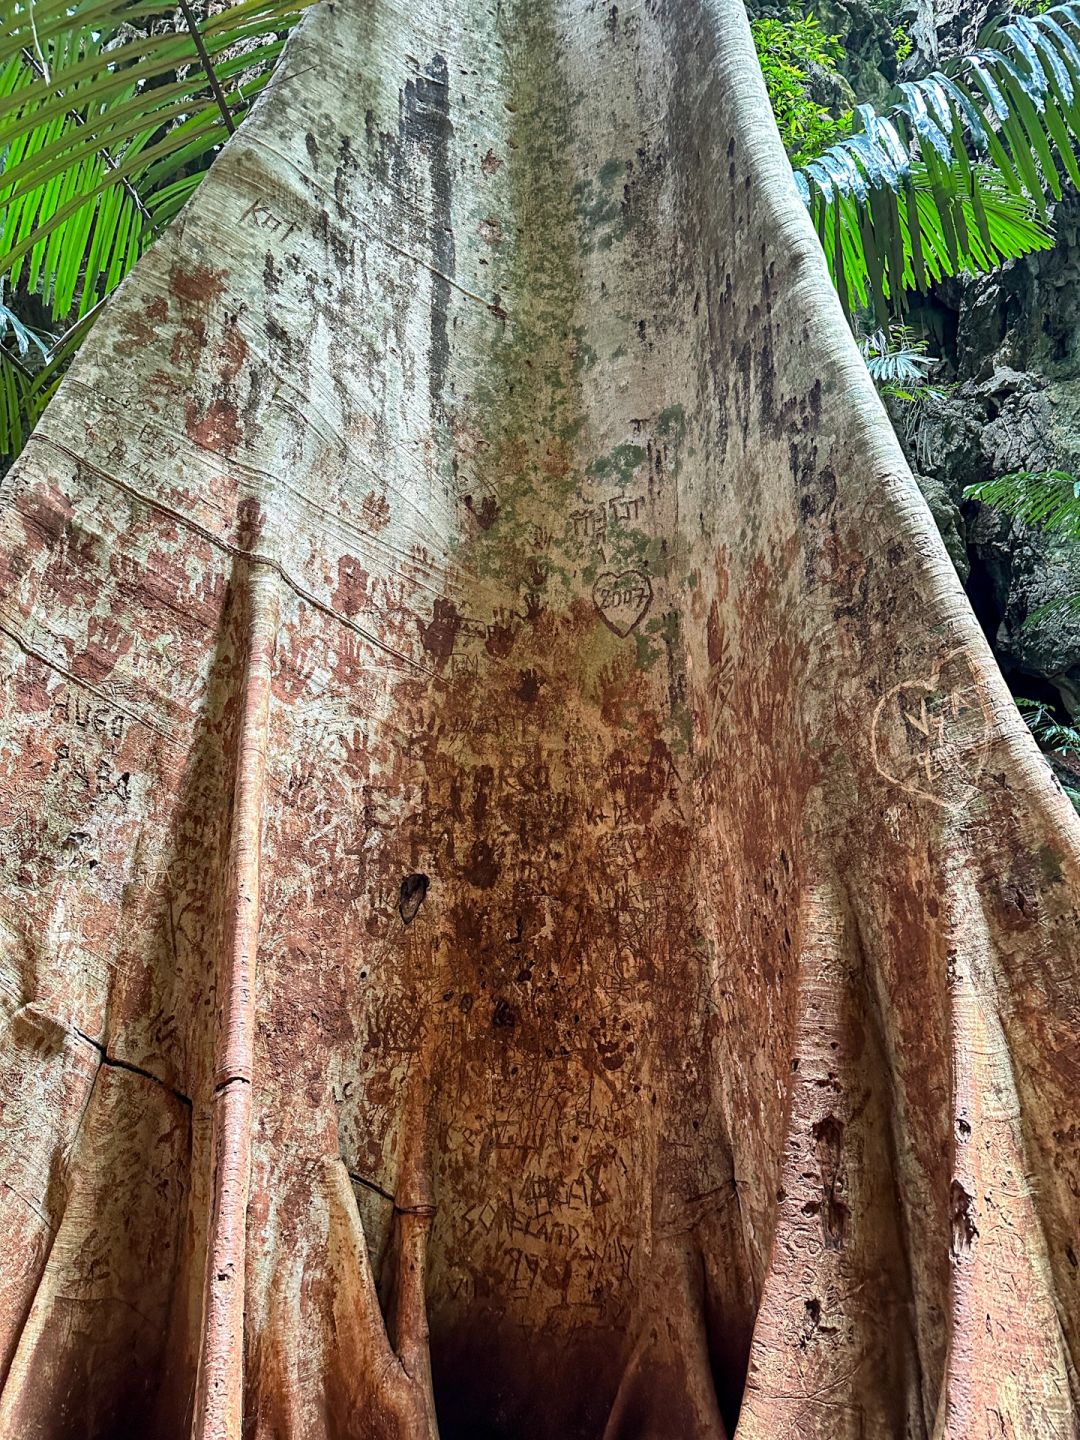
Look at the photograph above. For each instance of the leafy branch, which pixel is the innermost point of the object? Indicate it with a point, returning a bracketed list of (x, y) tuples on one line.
[(1050, 733), (1047, 499), (1052, 736), (953, 176)]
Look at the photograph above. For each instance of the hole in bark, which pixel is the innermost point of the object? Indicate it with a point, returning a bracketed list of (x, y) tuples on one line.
[(413, 890), (503, 1016)]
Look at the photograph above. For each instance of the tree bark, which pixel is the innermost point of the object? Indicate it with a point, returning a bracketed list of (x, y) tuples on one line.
[(529, 910)]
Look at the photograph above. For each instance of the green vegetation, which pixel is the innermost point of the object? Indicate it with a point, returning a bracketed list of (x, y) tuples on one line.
[(788, 51), (110, 113), (1064, 739), (1050, 500), (898, 364), (1052, 736), (954, 175), (1047, 499)]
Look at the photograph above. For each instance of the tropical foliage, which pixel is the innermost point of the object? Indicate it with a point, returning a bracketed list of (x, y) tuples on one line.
[(1048, 499), (790, 51), (899, 365), (1052, 736), (1065, 739), (110, 113), (954, 176)]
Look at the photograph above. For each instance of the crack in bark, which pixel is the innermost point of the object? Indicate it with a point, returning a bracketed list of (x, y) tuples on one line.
[(114, 1062), (372, 1186)]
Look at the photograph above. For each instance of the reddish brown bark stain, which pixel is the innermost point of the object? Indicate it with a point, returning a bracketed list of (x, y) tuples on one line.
[(232, 352), (500, 640), (482, 869), (351, 593), (48, 511), (528, 691), (250, 523), (106, 645), (200, 285), (376, 511), (217, 428), (440, 633), (188, 344), (486, 513), (558, 459), (139, 327)]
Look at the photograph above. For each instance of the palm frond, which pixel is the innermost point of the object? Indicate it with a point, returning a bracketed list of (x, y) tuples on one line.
[(14, 332), (98, 117), (24, 392), (896, 356), (1050, 733), (953, 176), (898, 364), (1049, 499), (109, 116)]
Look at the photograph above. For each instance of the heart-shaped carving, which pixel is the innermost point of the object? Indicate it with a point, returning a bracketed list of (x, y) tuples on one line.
[(622, 599), (931, 736)]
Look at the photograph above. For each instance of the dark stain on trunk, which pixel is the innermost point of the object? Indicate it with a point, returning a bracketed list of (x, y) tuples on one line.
[(426, 124), (962, 1216)]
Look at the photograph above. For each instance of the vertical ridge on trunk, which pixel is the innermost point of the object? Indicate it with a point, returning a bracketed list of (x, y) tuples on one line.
[(837, 1231), (527, 908), (219, 1398)]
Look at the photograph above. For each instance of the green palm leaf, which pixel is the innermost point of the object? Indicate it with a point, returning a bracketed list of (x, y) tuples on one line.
[(1049, 499), (24, 392), (953, 177), (109, 116)]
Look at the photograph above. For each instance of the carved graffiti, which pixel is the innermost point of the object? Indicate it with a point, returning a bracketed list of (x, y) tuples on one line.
[(930, 736), (623, 599), (594, 522), (263, 218)]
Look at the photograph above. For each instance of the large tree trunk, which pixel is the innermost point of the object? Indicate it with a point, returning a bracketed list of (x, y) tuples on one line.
[(526, 899)]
